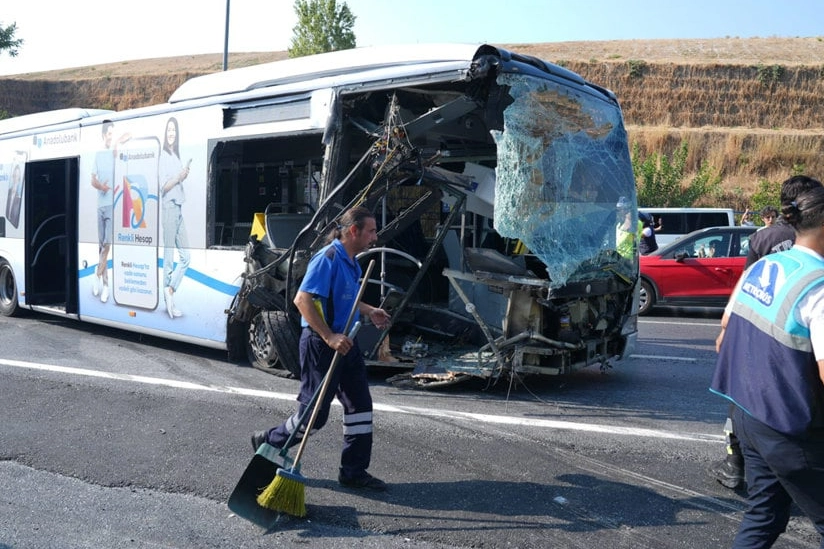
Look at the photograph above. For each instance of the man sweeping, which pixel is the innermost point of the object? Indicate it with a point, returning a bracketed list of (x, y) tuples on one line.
[(325, 298)]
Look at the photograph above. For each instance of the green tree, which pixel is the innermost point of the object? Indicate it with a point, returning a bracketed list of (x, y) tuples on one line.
[(768, 193), (659, 180), (8, 42), (323, 25)]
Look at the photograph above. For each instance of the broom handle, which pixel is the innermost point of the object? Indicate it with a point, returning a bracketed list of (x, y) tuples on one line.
[(301, 420), (328, 377)]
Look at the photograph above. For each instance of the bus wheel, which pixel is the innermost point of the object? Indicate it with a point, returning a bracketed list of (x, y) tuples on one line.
[(273, 344), (8, 290)]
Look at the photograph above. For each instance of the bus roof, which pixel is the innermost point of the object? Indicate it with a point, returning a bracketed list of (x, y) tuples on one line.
[(333, 69), (48, 118), (324, 65)]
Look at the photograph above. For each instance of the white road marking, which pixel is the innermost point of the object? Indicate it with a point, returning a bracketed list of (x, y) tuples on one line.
[(660, 357), (427, 412), (695, 322)]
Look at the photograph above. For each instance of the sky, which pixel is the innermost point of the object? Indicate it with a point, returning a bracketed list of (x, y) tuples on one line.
[(62, 34)]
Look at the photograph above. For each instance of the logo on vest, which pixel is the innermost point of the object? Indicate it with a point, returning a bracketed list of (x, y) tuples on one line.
[(760, 282)]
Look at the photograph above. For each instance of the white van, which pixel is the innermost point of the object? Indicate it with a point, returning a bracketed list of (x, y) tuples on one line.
[(676, 222)]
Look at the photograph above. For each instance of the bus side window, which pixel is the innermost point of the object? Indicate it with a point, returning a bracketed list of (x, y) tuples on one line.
[(252, 174)]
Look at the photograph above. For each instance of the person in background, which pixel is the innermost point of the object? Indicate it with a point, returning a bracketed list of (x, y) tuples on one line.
[(647, 243), (746, 219), (778, 237), (777, 311), (324, 299), (769, 215), (710, 250), (628, 230)]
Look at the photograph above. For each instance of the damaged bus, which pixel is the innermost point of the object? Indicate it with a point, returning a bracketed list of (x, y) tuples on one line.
[(500, 184)]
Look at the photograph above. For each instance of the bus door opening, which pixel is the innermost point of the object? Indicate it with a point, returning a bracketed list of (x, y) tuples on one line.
[(51, 233)]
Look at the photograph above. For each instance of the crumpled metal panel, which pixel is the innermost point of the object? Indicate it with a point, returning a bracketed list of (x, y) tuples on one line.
[(445, 370), (563, 165)]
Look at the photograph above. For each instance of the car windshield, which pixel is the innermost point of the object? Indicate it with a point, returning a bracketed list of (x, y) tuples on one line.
[(563, 167)]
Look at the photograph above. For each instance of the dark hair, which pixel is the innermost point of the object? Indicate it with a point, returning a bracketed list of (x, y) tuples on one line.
[(175, 149), (794, 186), (769, 211), (356, 216), (806, 211)]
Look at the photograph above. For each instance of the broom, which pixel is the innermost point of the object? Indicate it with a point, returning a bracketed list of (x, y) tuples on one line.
[(286, 493)]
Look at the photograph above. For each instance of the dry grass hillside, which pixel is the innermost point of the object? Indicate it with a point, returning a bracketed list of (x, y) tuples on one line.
[(751, 108)]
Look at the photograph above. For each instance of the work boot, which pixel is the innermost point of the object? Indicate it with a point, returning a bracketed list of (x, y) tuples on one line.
[(729, 471), (365, 481), (258, 438)]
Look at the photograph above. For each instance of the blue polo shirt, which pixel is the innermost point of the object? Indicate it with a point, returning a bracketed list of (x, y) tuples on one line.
[(333, 278)]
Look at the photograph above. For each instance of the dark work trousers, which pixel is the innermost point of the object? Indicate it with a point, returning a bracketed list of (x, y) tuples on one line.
[(733, 446), (351, 386), (779, 469)]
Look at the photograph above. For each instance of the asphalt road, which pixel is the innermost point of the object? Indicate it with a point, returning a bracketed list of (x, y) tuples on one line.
[(110, 439)]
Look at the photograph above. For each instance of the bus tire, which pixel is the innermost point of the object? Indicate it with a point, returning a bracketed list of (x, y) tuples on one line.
[(9, 306), (286, 337), (273, 344)]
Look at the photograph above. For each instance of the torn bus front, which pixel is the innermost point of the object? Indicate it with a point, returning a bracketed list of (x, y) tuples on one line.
[(505, 202)]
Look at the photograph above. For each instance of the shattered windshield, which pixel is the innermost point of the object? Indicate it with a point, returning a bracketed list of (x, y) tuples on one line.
[(563, 168)]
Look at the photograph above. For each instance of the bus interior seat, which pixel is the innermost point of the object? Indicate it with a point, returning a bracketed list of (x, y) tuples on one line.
[(492, 261), (283, 228)]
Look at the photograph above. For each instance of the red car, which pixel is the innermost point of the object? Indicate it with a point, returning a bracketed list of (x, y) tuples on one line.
[(697, 270)]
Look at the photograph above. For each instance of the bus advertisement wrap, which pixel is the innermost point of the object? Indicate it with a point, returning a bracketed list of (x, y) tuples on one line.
[(135, 224)]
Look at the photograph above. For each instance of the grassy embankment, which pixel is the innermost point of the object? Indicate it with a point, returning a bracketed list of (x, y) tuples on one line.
[(752, 109)]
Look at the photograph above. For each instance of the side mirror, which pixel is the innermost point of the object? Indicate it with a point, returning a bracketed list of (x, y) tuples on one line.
[(681, 256)]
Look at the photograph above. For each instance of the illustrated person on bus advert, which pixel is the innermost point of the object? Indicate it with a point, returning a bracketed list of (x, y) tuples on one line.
[(172, 175), (102, 180)]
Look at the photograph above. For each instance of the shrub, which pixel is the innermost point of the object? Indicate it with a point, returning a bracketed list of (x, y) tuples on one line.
[(767, 193), (636, 68), (769, 75), (659, 180)]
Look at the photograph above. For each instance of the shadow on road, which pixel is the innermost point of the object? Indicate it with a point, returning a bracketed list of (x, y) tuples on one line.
[(573, 503)]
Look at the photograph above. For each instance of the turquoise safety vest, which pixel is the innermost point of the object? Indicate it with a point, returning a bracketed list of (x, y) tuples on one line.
[(765, 363)]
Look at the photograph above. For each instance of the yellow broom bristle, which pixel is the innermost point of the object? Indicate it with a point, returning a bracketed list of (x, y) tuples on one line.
[(284, 495)]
